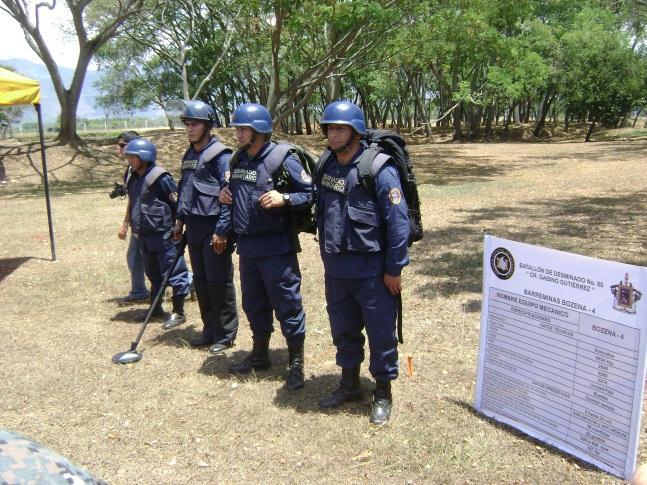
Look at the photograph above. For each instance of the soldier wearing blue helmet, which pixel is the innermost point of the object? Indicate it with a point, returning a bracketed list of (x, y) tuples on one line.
[(152, 193), (205, 168), (363, 243), (270, 277)]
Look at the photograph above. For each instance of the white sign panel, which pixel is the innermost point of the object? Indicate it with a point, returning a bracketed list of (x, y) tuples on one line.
[(562, 350)]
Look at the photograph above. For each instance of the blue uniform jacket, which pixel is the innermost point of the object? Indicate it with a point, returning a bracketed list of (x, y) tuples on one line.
[(263, 232), (157, 212), (360, 234), (199, 187)]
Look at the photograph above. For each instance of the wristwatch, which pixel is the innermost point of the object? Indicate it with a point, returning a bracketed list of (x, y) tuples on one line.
[(287, 199)]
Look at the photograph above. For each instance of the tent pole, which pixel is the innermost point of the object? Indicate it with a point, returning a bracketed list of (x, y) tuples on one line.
[(46, 182)]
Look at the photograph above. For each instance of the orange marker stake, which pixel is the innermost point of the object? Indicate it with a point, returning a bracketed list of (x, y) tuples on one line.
[(409, 366)]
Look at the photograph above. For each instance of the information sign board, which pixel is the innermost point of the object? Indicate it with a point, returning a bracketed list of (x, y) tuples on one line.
[(562, 350)]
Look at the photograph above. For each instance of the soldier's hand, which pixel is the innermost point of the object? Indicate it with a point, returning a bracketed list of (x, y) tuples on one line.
[(392, 283), (219, 244), (271, 199), (177, 231), (123, 231), (225, 196)]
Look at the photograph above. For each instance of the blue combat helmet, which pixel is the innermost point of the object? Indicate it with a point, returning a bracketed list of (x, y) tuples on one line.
[(343, 113), (143, 148), (197, 110), (254, 116)]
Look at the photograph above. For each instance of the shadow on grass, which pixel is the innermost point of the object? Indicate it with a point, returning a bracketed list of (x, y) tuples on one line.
[(129, 315), (307, 399), (9, 265), (453, 256), (218, 365), (519, 434), (436, 165)]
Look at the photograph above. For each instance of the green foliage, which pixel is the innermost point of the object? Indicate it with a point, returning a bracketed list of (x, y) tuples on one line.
[(467, 61)]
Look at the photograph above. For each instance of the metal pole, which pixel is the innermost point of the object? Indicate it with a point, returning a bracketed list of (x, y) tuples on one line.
[(46, 182)]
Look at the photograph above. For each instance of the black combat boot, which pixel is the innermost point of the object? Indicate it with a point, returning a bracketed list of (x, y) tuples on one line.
[(347, 391), (382, 403), (258, 359), (177, 316), (295, 379)]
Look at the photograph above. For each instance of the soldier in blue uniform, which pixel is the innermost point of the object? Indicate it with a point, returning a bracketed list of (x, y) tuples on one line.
[(363, 243), (270, 277), (153, 204), (205, 168), (134, 255)]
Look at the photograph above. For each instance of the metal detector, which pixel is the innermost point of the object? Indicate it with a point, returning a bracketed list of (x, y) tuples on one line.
[(132, 355)]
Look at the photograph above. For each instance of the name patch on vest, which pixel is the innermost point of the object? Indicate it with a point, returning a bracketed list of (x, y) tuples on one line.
[(189, 164), (334, 183), (244, 174)]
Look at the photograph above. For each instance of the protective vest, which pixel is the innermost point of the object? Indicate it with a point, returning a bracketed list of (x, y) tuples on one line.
[(249, 179), (155, 215), (348, 216), (200, 188)]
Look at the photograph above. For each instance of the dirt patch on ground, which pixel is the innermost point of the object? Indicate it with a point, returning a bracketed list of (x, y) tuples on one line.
[(178, 417)]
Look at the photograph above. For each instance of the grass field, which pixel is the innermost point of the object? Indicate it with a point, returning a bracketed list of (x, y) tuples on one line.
[(178, 417)]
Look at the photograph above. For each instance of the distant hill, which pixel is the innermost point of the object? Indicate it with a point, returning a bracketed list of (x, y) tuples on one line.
[(49, 102)]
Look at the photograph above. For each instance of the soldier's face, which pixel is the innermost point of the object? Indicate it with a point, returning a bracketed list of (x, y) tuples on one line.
[(339, 135), (135, 163), (195, 130), (244, 135)]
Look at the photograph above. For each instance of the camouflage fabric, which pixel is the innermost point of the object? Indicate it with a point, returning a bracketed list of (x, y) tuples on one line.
[(22, 461)]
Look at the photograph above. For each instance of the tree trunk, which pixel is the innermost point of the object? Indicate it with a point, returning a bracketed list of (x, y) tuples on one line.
[(306, 119), (589, 132), (637, 115), (275, 77), (543, 110), (458, 115)]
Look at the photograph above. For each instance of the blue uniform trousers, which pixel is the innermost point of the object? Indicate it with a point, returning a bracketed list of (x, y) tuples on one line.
[(213, 276), (273, 283), (355, 304), (135, 260), (159, 252)]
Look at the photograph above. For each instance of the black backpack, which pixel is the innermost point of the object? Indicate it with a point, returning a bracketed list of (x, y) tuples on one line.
[(303, 217), (380, 146)]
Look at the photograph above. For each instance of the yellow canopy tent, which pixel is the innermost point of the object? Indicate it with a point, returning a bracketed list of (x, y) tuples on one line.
[(17, 89)]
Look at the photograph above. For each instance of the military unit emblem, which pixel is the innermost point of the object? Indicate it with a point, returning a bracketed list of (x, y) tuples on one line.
[(395, 196), (625, 296), (502, 263)]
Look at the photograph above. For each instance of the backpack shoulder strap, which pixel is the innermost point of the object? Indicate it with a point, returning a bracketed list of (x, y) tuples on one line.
[(213, 151), (323, 161), (277, 156), (155, 173), (234, 159), (370, 163)]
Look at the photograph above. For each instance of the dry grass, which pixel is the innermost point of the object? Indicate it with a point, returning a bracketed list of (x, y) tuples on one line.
[(177, 417)]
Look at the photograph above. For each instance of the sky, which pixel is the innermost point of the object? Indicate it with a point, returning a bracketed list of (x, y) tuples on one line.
[(64, 48)]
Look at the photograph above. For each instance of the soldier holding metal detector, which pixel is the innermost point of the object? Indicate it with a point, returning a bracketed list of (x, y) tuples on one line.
[(153, 206), (205, 168)]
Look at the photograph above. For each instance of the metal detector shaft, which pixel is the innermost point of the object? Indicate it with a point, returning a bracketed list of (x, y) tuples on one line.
[(158, 296)]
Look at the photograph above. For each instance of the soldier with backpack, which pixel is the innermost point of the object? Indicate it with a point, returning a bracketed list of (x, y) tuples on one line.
[(364, 232), (262, 223), (205, 168), (152, 195)]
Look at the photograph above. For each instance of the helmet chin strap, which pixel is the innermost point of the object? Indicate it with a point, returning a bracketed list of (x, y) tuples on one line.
[(248, 145)]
